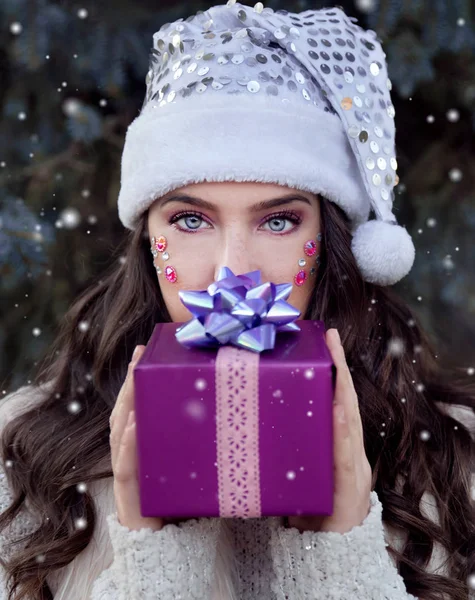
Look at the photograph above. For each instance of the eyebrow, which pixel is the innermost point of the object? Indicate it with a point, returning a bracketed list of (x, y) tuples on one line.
[(266, 204)]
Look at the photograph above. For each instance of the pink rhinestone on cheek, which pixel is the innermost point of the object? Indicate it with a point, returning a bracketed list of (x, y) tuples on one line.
[(300, 278), (161, 243), (310, 247), (170, 274)]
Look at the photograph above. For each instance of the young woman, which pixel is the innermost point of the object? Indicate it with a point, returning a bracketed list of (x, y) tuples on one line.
[(265, 141)]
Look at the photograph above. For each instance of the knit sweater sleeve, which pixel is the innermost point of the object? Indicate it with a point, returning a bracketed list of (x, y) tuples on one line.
[(324, 565), (175, 562)]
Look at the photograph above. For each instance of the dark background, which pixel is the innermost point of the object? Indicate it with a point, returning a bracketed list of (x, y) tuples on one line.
[(72, 78)]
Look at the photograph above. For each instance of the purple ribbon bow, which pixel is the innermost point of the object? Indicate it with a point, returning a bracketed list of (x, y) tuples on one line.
[(237, 310)]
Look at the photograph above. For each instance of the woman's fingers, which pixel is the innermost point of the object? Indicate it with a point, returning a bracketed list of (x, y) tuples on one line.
[(345, 393), (125, 403)]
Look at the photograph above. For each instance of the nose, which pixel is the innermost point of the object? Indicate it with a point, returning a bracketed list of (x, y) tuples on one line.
[(235, 252)]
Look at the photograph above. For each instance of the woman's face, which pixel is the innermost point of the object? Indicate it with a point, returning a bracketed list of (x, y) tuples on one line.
[(222, 224)]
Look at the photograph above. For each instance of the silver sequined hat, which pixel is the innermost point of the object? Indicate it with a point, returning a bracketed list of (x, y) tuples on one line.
[(239, 93)]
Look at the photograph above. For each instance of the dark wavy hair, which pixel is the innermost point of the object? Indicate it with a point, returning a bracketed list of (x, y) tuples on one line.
[(122, 307)]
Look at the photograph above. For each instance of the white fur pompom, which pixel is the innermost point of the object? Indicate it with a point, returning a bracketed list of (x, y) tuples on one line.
[(384, 252)]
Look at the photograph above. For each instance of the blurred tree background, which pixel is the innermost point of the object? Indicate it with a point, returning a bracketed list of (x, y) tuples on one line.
[(72, 78)]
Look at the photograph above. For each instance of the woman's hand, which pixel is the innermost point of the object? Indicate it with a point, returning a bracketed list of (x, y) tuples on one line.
[(124, 457), (353, 474)]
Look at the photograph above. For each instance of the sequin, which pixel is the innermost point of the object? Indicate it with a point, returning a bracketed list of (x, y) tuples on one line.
[(261, 58), (374, 69), (165, 256), (292, 86), (272, 90), (253, 87), (393, 163), (313, 55), (346, 103), (388, 180), (287, 71), (384, 194), (348, 77), (279, 34), (237, 59), (305, 94), (319, 237), (302, 262), (358, 102), (381, 164), (203, 70), (312, 42), (337, 55), (242, 16), (374, 147), (370, 163), (376, 179), (192, 68), (222, 60), (299, 77), (363, 136), (354, 131)]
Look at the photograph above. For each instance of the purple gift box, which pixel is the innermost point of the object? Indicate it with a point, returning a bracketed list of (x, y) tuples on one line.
[(229, 432)]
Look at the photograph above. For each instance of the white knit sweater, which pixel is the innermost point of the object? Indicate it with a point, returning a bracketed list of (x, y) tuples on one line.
[(225, 559)]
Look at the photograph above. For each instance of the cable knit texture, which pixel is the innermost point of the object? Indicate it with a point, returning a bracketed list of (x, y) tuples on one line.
[(176, 562), (221, 559), (355, 564)]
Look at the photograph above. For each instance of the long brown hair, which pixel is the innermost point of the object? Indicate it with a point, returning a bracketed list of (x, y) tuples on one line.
[(88, 364)]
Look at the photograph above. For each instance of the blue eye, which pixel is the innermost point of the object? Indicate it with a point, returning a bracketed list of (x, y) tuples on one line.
[(192, 220)]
